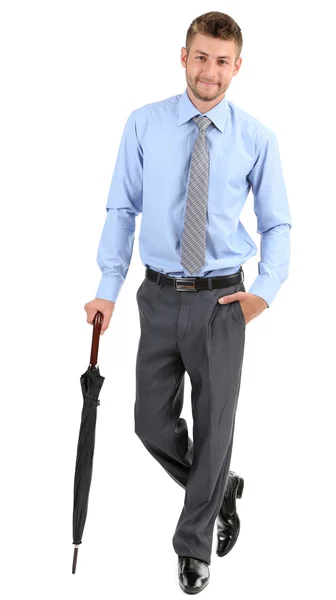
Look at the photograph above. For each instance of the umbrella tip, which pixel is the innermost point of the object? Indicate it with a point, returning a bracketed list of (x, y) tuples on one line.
[(74, 562)]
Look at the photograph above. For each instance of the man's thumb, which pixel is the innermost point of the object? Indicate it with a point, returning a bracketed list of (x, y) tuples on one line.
[(229, 298)]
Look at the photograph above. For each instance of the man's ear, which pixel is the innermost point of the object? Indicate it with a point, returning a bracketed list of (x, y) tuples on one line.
[(183, 57), (237, 66)]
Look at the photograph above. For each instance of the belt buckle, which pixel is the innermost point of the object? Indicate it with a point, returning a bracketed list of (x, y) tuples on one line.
[(186, 284)]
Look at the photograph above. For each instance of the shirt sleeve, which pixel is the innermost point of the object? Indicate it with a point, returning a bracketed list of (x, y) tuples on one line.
[(124, 203), (273, 220)]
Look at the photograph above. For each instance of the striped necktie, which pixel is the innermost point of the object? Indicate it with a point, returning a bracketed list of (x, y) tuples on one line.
[(194, 233)]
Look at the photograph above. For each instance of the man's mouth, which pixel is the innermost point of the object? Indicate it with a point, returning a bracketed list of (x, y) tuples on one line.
[(206, 83)]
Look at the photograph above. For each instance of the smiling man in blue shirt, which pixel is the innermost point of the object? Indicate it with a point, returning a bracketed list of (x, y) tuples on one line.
[(152, 176)]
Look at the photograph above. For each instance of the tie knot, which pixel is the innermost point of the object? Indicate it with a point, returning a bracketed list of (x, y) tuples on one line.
[(202, 122)]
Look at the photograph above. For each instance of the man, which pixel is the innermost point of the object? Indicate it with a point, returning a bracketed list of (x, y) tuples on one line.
[(187, 163)]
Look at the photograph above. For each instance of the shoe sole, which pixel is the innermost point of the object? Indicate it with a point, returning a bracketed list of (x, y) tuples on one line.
[(193, 591), (240, 487)]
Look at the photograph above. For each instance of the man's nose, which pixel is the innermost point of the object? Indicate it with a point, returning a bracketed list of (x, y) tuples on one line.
[(210, 72)]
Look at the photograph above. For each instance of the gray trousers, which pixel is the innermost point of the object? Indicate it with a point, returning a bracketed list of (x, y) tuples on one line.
[(190, 331)]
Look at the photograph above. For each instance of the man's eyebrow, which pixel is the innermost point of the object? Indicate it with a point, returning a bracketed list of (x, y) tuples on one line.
[(200, 52)]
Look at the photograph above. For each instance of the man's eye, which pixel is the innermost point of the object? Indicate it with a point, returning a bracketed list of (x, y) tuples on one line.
[(222, 61)]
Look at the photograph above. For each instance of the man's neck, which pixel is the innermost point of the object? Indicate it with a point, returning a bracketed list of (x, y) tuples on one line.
[(201, 105)]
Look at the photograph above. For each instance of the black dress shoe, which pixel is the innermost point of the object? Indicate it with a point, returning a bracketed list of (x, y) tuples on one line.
[(193, 574), (228, 523)]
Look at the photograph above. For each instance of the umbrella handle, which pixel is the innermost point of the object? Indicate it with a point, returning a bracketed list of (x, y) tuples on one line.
[(97, 323)]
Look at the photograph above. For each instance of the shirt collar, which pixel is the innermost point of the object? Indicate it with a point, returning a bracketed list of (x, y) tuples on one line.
[(218, 114)]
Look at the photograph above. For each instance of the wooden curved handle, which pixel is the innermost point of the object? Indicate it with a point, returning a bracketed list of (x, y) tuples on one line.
[(97, 323)]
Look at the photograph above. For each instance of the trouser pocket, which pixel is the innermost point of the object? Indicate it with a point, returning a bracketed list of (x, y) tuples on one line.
[(238, 314)]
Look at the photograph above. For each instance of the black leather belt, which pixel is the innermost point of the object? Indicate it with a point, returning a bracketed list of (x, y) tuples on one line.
[(192, 284)]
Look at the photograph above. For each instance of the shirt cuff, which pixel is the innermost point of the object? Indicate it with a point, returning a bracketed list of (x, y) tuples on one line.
[(265, 287), (109, 288)]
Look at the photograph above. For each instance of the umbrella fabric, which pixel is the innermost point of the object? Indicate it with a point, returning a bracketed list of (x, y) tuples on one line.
[(91, 383)]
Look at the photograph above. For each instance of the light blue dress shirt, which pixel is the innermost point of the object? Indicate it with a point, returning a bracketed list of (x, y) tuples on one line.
[(151, 177)]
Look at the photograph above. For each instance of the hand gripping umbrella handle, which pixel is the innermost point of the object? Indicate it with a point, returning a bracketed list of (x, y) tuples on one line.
[(97, 323)]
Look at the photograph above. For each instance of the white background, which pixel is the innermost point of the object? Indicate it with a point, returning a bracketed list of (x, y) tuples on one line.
[(71, 73)]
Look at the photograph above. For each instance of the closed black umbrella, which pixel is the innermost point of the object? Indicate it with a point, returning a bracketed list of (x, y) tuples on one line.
[(91, 384)]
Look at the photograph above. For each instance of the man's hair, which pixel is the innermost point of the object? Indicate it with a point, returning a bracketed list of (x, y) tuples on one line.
[(218, 25)]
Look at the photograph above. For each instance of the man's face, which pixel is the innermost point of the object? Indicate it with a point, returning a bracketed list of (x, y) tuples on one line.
[(204, 65)]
